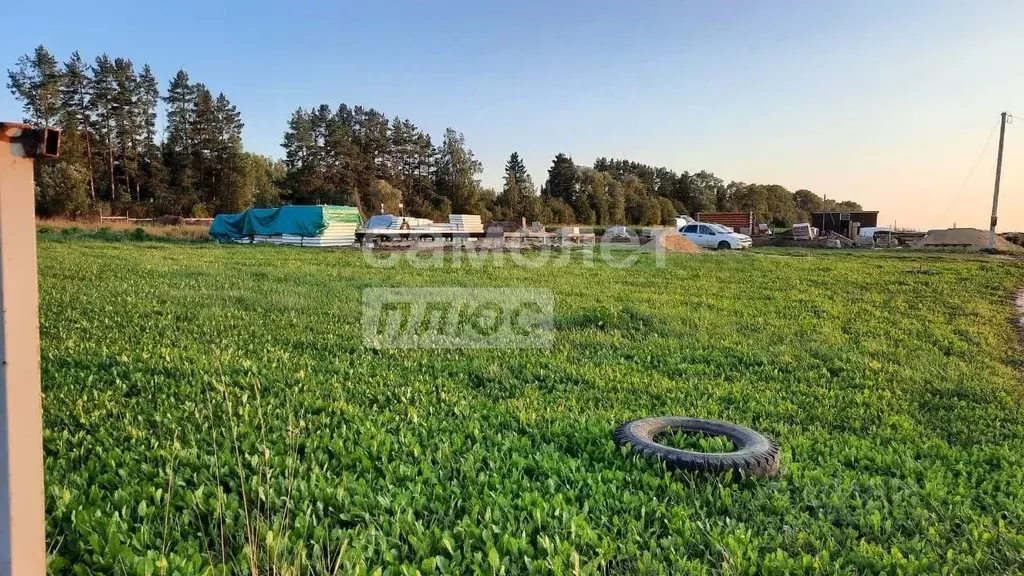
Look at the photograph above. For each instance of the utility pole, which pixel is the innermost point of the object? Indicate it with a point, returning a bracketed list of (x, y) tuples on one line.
[(995, 194)]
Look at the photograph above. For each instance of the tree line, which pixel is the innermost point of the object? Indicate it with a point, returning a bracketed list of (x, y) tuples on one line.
[(614, 191), (114, 159), (358, 156)]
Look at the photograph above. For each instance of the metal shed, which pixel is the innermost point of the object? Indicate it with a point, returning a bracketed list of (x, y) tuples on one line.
[(844, 223)]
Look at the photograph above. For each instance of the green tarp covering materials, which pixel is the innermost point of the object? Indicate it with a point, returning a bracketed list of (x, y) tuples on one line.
[(297, 220)]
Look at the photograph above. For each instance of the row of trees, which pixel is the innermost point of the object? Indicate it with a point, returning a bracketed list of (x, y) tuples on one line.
[(617, 191), (115, 159), (111, 159), (357, 156)]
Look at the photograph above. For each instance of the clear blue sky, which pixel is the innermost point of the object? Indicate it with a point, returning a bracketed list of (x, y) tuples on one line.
[(885, 102)]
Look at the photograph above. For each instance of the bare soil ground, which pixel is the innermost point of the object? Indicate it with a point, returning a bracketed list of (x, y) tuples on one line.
[(672, 241)]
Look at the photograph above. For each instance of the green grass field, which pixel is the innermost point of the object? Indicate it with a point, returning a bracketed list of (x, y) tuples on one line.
[(211, 409)]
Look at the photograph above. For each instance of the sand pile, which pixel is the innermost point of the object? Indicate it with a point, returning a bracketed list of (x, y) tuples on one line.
[(671, 241), (968, 238)]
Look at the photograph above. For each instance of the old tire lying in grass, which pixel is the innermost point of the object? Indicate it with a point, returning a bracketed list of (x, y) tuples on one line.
[(755, 454)]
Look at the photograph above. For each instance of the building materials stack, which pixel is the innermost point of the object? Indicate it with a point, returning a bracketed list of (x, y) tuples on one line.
[(466, 223), (296, 225), (335, 234), (804, 231)]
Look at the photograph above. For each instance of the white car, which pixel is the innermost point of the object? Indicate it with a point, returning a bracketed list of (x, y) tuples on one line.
[(708, 235)]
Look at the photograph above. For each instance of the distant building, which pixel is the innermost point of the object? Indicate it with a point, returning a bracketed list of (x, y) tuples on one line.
[(844, 223)]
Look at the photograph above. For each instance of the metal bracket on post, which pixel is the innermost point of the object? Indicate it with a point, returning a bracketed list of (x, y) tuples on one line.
[(22, 510)]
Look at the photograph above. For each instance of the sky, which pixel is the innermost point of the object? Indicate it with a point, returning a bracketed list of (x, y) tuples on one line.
[(889, 103)]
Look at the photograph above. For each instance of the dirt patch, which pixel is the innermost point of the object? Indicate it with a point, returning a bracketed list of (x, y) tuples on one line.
[(671, 241), (966, 238)]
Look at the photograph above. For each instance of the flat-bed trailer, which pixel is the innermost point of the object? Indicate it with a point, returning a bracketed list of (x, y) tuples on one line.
[(388, 234)]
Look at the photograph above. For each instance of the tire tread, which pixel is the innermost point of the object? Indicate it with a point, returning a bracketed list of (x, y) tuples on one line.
[(755, 454)]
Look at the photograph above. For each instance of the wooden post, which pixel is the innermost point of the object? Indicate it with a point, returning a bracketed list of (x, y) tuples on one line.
[(22, 522), (995, 193)]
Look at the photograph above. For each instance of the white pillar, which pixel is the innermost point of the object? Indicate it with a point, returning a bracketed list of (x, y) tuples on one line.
[(22, 521)]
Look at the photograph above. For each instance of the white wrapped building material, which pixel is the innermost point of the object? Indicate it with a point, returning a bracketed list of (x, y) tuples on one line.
[(335, 234), (466, 222)]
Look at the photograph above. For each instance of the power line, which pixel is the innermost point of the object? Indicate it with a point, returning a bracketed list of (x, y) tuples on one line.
[(971, 174)]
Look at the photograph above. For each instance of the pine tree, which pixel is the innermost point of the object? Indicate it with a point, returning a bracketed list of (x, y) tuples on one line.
[(36, 83), (125, 117), (231, 169), (305, 174), (206, 134), (177, 146), (518, 188), (146, 98), (342, 161), (563, 178), (399, 151), (229, 121), (455, 173), (76, 86), (369, 134), (102, 102), (108, 113)]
